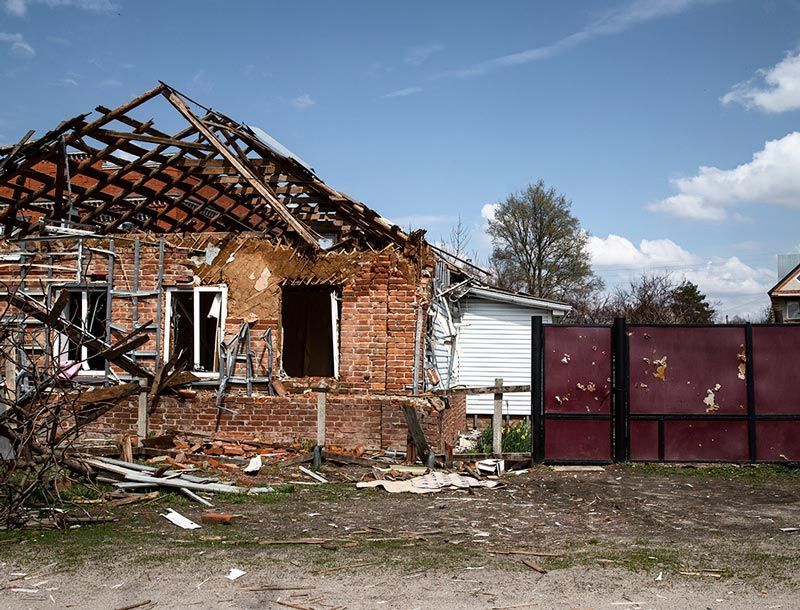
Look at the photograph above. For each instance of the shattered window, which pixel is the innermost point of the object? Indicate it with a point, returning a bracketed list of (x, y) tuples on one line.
[(310, 324), (195, 324), (86, 309)]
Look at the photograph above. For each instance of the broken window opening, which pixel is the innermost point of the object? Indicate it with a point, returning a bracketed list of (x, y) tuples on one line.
[(86, 309), (195, 324), (310, 330)]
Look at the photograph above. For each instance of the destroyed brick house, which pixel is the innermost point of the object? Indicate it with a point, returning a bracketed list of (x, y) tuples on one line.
[(216, 270)]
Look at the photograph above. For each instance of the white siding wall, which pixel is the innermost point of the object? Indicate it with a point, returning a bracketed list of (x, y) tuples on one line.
[(494, 340)]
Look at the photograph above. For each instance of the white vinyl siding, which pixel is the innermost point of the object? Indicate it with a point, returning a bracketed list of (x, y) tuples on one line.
[(494, 340)]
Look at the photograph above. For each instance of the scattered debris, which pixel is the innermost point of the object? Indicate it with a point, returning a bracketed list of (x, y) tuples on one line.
[(578, 468), (235, 573), (491, 467), (430, 483), (179, 520), (534, 566), (310, 473), (254, 467), (217, 518), (531, 553)]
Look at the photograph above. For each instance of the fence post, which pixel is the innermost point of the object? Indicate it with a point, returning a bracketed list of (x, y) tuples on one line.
[(751, 393), (537, 389), (620, 408), (497, 419)]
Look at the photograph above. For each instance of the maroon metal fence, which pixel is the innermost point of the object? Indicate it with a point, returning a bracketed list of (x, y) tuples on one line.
[(722, 393)]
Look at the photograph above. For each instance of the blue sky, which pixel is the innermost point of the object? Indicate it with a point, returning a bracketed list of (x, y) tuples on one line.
[(670, 124)]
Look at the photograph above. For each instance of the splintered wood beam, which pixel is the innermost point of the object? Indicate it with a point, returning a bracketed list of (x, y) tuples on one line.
[(246, 173), (141, 137), (15, 149)]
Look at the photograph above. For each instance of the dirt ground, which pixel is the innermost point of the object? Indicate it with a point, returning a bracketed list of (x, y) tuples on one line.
[(628, 537)]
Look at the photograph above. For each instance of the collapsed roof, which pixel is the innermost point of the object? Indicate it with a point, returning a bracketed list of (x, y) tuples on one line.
[(117, 174)]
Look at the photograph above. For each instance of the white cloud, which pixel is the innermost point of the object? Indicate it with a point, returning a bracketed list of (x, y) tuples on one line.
[(19, 8), (419, 54), (111, 82), (404, 92), (617, 251), (779, 92), (488, 210), (303, 101), (611, 22), (730, 277), (736, 287), (772, 177), (66, 82), (18, 46), (201, 82)]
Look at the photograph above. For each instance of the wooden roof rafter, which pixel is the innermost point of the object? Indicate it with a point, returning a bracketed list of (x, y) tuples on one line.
[(213, 174)]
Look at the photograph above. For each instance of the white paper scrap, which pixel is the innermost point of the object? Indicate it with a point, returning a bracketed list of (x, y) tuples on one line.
[(235, 573)]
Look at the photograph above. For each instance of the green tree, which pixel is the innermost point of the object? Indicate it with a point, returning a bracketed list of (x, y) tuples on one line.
[(689, 305), (539, 246)]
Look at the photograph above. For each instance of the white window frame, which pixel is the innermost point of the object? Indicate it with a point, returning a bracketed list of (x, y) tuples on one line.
[(223, 314), (62, 341)]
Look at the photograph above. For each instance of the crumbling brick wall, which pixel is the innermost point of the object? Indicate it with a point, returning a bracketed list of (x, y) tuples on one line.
[(384, 294)]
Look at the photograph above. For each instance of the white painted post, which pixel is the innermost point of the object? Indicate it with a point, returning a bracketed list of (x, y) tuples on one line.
[(497, 419), (142, 417)]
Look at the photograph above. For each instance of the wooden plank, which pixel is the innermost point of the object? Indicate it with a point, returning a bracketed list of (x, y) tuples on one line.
[(141, 137), (507, 389), (417, 434), (497, 418), (15, 149), (343, 458), (111, 393), (321, 400)]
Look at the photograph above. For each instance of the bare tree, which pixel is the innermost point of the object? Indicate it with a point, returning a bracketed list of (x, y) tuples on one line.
[(539, 246), (648, 299), (457, 243)]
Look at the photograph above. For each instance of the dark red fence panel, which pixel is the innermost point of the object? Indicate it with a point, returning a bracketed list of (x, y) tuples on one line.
[(776, 392), (726, 393), (577, 394), (688, 393)]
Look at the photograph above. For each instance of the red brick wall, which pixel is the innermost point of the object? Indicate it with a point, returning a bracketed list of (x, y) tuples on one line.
[(376, 422), (382, 295)]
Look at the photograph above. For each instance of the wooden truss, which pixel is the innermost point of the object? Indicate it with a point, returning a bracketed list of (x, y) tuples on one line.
[(117, 174)]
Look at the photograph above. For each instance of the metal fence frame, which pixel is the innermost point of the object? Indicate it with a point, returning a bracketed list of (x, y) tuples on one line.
[(620, 413)]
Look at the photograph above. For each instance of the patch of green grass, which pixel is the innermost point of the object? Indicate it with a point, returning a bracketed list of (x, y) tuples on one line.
[(761, 473), (72, 547)]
